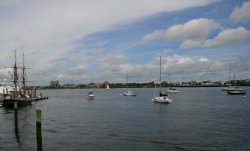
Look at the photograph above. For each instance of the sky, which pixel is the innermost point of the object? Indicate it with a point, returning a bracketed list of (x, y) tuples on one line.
[(85, 41)]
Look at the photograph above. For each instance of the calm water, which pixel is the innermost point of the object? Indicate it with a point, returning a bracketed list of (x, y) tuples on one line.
[(198, 119)]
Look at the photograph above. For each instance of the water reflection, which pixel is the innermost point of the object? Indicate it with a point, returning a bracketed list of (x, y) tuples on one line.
[(16, 127), (115, 122)]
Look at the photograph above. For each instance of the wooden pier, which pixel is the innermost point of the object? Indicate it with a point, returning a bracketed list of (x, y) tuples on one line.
[(9, 102)]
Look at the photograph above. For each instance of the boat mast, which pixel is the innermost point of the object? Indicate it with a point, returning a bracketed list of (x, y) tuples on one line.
[(169, 85), (23, 78), (15, 77), (160, 72), (234, 80), (229, 72), (127, 80)]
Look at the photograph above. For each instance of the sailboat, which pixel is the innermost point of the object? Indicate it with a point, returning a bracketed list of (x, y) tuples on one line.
[(171, 90), (107, 86), (129, 92), (163, 97), (235, 90), (20, 96), (229, 86)]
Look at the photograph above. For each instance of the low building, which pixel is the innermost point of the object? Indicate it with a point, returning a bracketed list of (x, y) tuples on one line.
[(69, 86), (54, 84), (193, 83), (186, 84)]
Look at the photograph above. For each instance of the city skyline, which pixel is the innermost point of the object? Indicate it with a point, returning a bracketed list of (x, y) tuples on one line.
[(85, 41)]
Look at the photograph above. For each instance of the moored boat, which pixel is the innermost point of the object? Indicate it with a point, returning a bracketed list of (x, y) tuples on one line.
[(231, 88), (236, 92), (129, 93), (20, 96), (172, 90), (107, 86), (91, 95), (163, 97)]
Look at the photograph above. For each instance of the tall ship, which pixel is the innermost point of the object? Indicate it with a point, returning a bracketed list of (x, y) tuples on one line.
[(20, 95)]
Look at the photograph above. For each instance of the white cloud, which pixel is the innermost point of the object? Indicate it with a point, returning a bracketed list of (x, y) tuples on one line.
[(5, 72), (158, 34), (77, 73), (241, 14), (191, 30), (228, 37), (204, 60), (49, 29), (193, 34), (184, 60), (184, 68), (188, 44)]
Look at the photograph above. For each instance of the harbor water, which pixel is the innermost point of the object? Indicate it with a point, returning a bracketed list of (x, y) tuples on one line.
[(198, 119)]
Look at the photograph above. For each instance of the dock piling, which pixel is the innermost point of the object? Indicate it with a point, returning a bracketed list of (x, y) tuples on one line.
[(16, 122), (38, 130), (16, 117), (15, 105)]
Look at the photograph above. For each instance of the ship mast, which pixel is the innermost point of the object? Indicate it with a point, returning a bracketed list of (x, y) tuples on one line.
[(127, 80), (160, 71), (230, 73), (23, 78), (15, 77)]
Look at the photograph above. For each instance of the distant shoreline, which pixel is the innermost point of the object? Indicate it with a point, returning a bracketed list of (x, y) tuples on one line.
[(141, 87)]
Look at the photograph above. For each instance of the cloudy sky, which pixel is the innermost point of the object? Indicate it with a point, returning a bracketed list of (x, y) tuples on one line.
[(86, 41)]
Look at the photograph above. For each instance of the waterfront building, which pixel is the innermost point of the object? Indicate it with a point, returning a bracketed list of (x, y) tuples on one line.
[(54, 84)]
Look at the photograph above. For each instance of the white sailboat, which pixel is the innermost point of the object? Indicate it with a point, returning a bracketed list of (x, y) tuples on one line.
[(232, 89), (236, 90), (172, 90), (129, 92), (162, 98), (229, 86), (107, 86)]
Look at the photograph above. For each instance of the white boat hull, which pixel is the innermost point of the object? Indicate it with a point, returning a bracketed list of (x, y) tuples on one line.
[(236, 92), (91, 95), (231, 88), (162, 99), (172, 91), (129, 93)]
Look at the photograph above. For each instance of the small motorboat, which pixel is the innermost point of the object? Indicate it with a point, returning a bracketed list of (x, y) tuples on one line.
[(91, 95), (236, 92), (129, 93)]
